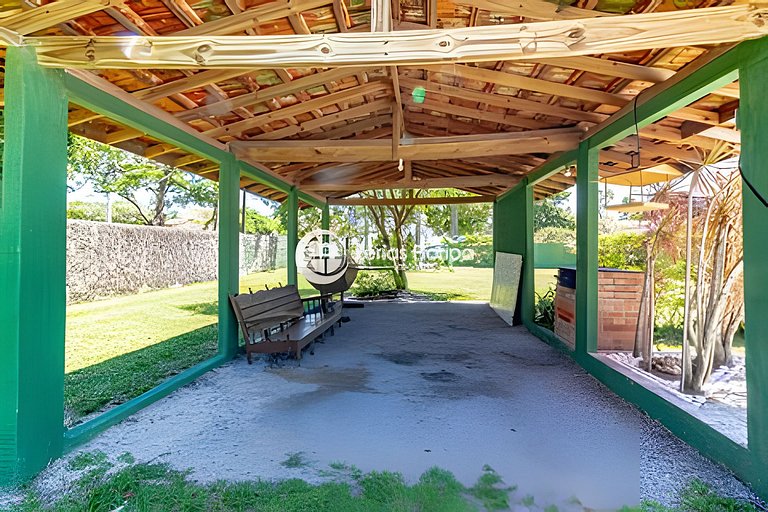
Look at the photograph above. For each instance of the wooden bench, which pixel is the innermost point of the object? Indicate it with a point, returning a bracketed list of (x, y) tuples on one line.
[(279, 320)]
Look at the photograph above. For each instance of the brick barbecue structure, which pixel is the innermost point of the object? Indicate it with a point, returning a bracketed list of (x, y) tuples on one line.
[(619, 296)]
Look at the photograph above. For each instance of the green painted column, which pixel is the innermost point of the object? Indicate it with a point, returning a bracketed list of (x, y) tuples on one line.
[(325, 220), (753, 123), (292, 204), (586, 249), (513, 233), (229, 253), (33, 227)]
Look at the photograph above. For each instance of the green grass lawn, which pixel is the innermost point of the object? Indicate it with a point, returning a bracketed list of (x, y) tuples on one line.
[(118, 348), (462, 283), (107, 486)]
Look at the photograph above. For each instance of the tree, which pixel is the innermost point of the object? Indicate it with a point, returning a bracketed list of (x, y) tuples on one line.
[(471, 219), (259, 224), (390, 221), (111, 170), (717, 307), (551, 212), (122, 212)]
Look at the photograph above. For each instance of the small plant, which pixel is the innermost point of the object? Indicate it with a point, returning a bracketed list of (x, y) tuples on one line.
[(295, 460), (544, 310)]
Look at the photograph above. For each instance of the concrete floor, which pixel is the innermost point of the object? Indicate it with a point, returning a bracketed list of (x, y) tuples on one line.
[(403, 387)]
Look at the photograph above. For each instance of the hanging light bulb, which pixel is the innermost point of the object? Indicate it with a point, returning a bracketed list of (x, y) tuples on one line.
[(400, 165), (568, 172)]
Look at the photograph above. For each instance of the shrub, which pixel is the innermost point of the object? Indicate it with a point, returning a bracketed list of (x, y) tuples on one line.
[(563, 236), (370, 283), (622, 250)]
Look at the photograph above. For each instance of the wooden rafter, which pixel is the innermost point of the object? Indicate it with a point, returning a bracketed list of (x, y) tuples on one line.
[(429, 183), (370, 201), (432, 148), (234, 129)]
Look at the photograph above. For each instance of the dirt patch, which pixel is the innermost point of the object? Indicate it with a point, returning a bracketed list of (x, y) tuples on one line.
[(442, 376), (404, 358)]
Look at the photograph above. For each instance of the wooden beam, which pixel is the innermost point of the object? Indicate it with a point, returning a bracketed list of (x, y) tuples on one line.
[(691, 27), (352, 128), (504, 101), (370, 201), (187, 83), (275, 91), (480, 115), (314, 124), (529, 84), (429, 148), (610, 68), (717, 68), (423, 184), (238, 127)]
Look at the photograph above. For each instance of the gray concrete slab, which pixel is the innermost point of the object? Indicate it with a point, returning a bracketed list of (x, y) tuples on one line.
[(403, 387)]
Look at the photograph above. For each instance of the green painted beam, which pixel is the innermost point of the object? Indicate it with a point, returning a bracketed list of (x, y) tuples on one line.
[(311, 200), (102, 102), (33, 205), (292, 204), (553, 165), (586, 249), (254, 173), (229, 253), (325, 219), (686, 86), (753, 123)]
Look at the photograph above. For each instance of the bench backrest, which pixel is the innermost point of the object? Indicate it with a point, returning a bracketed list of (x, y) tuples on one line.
[(266, 308)]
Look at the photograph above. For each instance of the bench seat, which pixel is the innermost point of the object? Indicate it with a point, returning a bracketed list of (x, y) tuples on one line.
[(279, 320)]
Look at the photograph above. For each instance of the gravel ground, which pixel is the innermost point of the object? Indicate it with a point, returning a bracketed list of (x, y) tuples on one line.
[(408, 386)]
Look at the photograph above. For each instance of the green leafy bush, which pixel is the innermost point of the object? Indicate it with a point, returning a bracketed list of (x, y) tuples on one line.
[(544, 309), (551, 235), (622, 250), (370, 283)]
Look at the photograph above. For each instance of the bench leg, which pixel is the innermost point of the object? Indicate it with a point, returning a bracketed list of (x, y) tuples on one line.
[(248, 356)]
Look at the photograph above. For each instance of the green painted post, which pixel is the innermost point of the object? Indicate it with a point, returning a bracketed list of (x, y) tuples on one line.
[(292, 203), (586, 249), (512, 231), (33, 227), (229, 253), (753, 123), (325, 221), (528, 292)]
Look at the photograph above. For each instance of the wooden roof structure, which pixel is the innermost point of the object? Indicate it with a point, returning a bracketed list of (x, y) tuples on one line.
[(320, 93)]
